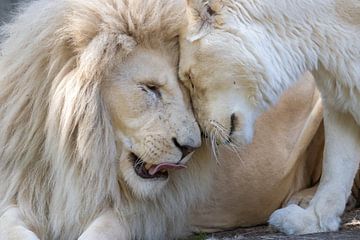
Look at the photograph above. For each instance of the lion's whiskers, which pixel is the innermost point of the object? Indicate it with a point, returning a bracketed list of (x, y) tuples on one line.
[(139, 161)]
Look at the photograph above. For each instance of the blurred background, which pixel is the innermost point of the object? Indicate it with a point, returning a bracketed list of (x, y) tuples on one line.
[(6, 6)]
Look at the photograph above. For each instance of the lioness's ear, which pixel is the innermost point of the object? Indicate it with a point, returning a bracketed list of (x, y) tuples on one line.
[(201, 17)]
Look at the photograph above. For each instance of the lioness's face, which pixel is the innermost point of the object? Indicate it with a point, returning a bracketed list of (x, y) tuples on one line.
[(217, 73), (153, 119)]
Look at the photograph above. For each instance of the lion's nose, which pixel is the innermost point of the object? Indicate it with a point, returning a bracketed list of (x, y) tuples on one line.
[(185, 149)]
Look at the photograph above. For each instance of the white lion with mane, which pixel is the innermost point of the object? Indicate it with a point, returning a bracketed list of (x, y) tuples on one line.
[(237, 57), (93, 122)]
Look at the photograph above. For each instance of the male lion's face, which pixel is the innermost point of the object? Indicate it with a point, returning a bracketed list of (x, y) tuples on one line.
[(153, 119), (217, 74)]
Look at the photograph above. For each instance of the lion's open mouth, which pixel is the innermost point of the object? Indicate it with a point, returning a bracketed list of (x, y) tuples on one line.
[(153, 171)]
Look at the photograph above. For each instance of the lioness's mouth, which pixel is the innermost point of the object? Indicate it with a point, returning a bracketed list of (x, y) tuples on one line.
[(153, 171)]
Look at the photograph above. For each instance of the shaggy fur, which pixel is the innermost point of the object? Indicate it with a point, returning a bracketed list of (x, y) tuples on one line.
[(239, 56), (65, 136)]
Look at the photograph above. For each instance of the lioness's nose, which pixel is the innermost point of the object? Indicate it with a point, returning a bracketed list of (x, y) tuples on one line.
[(185, 149)]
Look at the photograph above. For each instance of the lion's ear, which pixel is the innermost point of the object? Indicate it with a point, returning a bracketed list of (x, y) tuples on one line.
[(125, 44), (200, 19), (99, 54)]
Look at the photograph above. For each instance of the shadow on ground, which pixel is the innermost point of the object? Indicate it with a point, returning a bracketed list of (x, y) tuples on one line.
[(349, 230)]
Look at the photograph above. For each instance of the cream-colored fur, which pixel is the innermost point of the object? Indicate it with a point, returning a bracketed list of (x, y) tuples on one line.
[(84, 84), (276, 169), (239, 56)]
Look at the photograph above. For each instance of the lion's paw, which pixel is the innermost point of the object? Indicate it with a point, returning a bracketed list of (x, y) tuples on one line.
[(18, 233), (294, 220)]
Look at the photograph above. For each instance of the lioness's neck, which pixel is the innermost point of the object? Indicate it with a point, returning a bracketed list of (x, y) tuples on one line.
[(284, 39)]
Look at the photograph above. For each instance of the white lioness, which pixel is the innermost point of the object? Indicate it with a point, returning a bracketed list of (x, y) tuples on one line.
[(93, 123), (273, 171), (239, 56)]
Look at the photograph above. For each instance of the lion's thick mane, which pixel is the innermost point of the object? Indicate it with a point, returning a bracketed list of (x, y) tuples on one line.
[(57, 145)]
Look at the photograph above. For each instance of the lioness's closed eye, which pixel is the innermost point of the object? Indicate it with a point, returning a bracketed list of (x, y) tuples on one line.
[(241, 55)]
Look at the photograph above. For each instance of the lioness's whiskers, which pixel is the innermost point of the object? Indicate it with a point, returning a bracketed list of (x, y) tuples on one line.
[(214, 146), (222, 133)]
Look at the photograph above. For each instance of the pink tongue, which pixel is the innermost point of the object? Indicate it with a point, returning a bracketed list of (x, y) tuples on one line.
[(164, 166)]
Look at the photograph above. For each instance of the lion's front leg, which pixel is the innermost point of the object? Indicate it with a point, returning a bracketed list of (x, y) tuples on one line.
[(105, 227), (341, 161), (12, 226)]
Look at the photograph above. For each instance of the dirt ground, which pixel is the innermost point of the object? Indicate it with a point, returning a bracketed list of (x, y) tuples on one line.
[(349, 230)]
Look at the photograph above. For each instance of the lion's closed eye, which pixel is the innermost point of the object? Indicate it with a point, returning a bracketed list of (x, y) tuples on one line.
[(152, 90)]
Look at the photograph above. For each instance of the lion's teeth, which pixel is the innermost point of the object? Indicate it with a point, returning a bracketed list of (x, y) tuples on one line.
[(148, 166)]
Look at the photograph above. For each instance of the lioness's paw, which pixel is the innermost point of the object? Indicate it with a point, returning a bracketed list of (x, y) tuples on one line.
[(296, 220), (302, 198)]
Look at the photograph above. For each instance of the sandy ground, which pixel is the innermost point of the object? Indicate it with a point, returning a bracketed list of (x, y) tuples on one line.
[(349, 230)]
